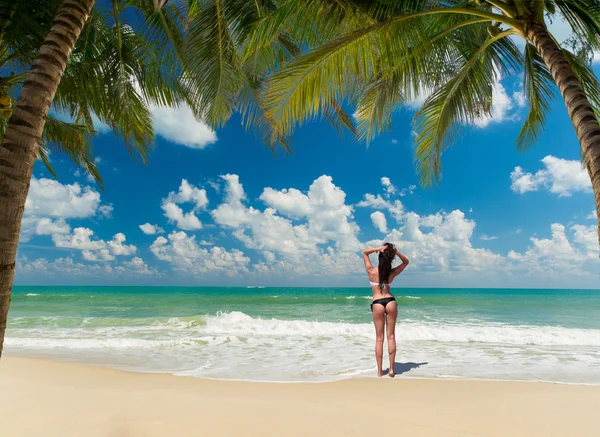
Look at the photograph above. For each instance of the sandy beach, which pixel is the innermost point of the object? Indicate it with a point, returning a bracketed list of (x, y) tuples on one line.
[(45, 398)]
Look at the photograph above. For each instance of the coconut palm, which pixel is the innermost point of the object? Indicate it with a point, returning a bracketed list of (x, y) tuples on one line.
[(84, 61), (83, 64), (450, 53)]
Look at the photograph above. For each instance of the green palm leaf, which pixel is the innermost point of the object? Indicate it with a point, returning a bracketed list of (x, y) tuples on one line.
[(452, 107), (540, 91)]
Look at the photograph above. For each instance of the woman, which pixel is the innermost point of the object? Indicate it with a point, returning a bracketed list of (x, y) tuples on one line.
[(384, 304)]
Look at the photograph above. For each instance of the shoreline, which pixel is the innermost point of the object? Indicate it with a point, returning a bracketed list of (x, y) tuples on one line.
[(43, 397), (116, 367), (119, 368)]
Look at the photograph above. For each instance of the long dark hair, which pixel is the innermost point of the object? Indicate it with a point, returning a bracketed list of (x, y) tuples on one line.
[(385, 264)]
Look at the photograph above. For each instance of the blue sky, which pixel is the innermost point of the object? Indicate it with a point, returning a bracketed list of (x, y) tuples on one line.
[(217, 208)]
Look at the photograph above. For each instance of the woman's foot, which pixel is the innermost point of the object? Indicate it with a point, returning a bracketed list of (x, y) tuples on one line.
[(391, 374)]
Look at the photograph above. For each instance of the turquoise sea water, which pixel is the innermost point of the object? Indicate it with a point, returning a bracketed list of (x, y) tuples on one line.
[(312, 334)]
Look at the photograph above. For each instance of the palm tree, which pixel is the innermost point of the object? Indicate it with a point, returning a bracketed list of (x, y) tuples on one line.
[(451, 52), (76, 59), (70, 58)]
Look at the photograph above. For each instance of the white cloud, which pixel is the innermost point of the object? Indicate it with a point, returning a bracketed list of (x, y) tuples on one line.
[(524, 182), (149, 229), (100, 255), (105, 210), (68, 268), (187, 194), (388, 187), (408, 190), (94, 249), (561, 176), (488, 237), (184, 253), (441, 243), (593, 215), (555, 257), (300, 248), (42, 226), (520, 99), (502, 106), (138, 266), (394, 141), (327, 218), (50, 198), (80, 239), (379, 221), (187, 221), (179, 126), (50, 204), (395, 208), (269, 256), (292, 202), (117, 247)]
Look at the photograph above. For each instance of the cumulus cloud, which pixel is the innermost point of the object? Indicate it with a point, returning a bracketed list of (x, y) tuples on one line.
[(80, 239), (379, 221), (187, 193), (503, 106), (572, 250), (395, 208), (149, 229), (593, 215), (408, 190), (184, 253), (441, 243), (69, 268), (327, 218), (560, 176), (312, 233), (50, 198), (292, 202), (388, 186), (488, 237), (50, 204), (42, 226), (94, 249), (100, 255), (137, 266), (117, 247), (180, 126)]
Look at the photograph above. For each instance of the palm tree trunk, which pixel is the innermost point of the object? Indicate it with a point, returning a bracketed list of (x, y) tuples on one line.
[(579, 108), (21, 142)]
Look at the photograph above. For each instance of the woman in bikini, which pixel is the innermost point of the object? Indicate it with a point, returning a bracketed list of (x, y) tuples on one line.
[(384, 305)]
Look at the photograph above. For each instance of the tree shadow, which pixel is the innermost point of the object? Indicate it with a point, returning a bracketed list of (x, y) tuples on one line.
[(400, 368)]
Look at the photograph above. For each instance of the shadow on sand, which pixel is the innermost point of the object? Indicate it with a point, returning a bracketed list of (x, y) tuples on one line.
[(400, 368)]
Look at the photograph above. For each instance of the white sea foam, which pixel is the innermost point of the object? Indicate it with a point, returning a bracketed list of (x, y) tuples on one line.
[(32, 294), (236, 345), (237, 323)]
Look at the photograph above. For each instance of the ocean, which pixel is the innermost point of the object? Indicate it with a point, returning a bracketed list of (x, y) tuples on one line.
[(311, 334)]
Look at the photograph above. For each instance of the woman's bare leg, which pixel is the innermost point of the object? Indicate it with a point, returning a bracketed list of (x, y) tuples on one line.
[(391, 310), (379, 320)]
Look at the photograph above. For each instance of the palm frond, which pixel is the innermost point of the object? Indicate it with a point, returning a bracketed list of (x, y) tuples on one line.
[(304, 88), (540, 90), (215, 28), (452, 107), (72, 139), (584, 18)]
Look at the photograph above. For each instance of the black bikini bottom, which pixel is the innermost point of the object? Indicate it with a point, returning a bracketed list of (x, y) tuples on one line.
[(384, 301)]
